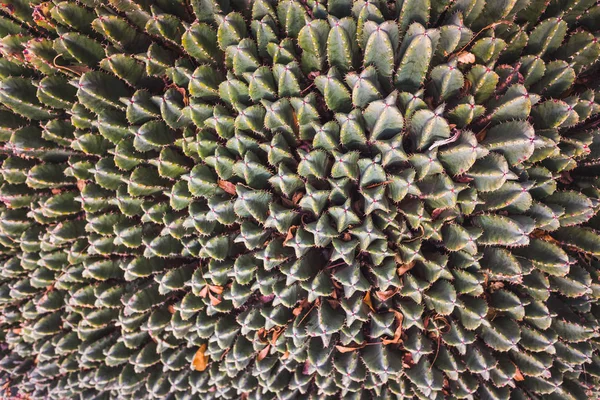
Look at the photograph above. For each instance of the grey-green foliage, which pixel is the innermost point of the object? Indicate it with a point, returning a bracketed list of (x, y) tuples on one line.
[(290, 199)]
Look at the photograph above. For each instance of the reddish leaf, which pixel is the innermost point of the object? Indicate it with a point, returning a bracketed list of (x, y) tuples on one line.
[(214, 300), (216, 289)]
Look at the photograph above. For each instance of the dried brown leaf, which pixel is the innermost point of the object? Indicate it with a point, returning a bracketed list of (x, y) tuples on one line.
[(200, 361), (227, 186), (387, 294), (263, 353), (518, 375), (367, 301), (464, 57), (398, 332), (290, 234), (480, 136), (348, 349), (262, 335), (404, 268), (333, 303), (436, 213), (298, 310), (407, 360), (373, 185), (297, 197), (462, 179), (276, 333)]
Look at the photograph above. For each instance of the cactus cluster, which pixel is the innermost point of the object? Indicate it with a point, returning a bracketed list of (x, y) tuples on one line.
[(300, 199)]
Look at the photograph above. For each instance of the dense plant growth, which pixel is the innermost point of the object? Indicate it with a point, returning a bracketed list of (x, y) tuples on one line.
[(287, 199)]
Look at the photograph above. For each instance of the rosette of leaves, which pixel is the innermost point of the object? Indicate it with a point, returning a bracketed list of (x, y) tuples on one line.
[(299, 199)]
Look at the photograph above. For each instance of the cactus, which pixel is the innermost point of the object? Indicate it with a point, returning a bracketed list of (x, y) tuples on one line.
[(285, 199)]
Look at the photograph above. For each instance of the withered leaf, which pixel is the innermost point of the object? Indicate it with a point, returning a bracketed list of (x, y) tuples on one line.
[(373, 185), (480, 136), (264, 353), (436, 213), (227, 186), (348, 349), (276, 333), (333, 303), (518, 375), (367, 301), (464, 57), (404, 268), (297, 197), (298, 310), (200, 361), (398, 332), (290, 234), (387, 294)]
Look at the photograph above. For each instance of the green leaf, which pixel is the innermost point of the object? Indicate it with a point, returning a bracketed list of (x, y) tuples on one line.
[(441, 297), (415, 55), (513, 139), (583, 239), (505, 231)]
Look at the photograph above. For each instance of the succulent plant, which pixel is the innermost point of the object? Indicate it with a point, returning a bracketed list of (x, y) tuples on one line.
[(300, 199)]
